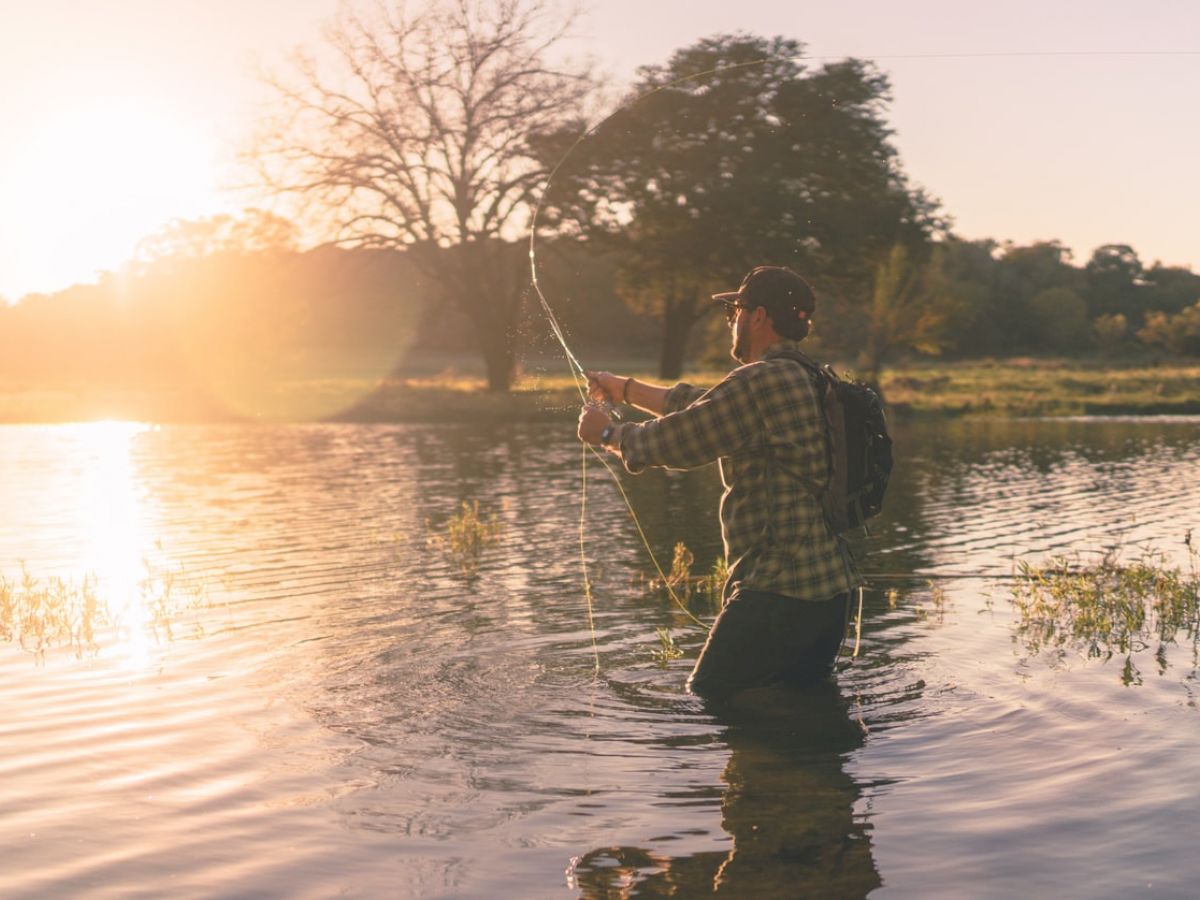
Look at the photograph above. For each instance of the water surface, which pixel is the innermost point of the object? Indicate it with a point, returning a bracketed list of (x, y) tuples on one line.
[(338, 708)]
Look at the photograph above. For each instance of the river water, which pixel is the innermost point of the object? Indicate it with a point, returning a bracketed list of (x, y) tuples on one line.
[(299, 693)]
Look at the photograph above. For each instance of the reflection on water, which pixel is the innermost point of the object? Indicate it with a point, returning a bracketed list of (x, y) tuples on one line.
[(787, 806), (93, 506), (109, 513), (99, 567), (362, 716)]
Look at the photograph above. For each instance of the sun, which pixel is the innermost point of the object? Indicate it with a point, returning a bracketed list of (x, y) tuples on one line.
[(96, 179)]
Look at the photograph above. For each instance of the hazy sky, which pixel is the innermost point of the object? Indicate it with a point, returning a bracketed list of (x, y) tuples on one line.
[(119, 116)]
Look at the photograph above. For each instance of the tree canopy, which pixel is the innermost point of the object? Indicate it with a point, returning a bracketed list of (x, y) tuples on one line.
[(736, 153)]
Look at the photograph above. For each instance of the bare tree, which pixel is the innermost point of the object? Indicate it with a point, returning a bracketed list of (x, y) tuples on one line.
[(415, 134)]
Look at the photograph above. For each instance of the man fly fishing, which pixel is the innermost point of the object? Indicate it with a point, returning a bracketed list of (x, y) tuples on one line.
[(786, 600)]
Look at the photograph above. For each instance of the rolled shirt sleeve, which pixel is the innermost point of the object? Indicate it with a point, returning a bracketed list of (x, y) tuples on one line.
[(700, 428)]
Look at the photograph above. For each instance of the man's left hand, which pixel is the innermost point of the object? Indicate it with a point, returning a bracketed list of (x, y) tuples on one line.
[(592, 421)]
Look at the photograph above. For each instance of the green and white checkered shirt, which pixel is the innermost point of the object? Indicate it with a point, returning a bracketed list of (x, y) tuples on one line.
[(764, 424)]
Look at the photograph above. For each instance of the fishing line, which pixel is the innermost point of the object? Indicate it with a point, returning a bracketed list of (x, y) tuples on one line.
[(587, 582), (578, 373)]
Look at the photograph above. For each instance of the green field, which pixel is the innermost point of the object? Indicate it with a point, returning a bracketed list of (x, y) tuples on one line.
[(1003, 388)]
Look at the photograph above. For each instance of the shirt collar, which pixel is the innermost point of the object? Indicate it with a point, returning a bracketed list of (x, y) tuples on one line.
[(781, 346)]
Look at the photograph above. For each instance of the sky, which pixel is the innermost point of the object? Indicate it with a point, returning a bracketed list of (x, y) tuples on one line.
[(1054, 119)]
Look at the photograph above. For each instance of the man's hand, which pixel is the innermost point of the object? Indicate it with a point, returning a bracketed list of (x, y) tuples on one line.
[(605, 387), (592, 421)]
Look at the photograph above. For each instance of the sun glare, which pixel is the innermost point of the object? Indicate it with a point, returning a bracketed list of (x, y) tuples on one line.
[(111, 515), (96, 180)]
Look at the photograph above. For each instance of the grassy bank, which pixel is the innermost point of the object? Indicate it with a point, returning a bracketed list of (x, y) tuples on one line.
[(1024, 387), (1008, 388)]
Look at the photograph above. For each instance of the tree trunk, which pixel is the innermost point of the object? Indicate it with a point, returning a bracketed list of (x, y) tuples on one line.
[(671, 355), (678, 319), (499, 358), (870, 370), (490, 292)]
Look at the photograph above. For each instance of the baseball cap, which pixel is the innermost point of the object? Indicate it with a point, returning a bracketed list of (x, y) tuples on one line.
[(780, 290)]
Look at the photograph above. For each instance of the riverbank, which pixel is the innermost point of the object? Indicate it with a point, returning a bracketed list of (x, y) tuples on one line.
[(1000, 389)]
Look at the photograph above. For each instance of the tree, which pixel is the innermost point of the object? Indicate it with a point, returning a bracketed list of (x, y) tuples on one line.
[(254, 231), (735, 155), (1060, 316), (969, 274), (1022, 273), (1111, 332), (910, 309), (419, 139), (1170, 288), (1179, 333), (1115, 279)]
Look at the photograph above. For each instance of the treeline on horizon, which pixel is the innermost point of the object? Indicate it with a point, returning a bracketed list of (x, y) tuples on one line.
[(221, 299), (420, 167), (234, 298)]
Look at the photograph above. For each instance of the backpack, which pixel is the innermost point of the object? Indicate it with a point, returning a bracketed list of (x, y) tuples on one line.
[(860, 448)]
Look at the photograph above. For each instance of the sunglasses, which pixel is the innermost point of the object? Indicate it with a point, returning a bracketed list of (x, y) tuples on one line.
[(731, 309)]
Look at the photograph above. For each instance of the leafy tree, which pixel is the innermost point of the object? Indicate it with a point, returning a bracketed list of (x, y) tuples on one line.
[(969, 272), (1170, 288), (911, 309), (1114, 279), (1022, 273), (419, 138), (1179, 333), (1060, 316), (1111, 332), (738, 154), (254, 231)]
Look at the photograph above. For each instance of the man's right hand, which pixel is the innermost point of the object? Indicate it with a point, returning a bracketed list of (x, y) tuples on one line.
[(605, 387)]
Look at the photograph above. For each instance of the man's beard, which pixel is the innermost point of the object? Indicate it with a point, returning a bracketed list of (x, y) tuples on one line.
[(741, 346)]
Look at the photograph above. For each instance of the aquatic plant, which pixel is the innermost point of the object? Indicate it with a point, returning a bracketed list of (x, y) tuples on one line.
[(465, 535), (42, 614), (1109, 607), (51, 613), (712, 585), (667, 649), (167, 593), (684, 584), (932, 611)]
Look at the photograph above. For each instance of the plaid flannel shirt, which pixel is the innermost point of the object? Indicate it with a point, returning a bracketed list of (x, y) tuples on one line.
[(764, 423)]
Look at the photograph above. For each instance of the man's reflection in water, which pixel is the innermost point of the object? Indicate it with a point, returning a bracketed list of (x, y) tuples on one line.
[(788, 806)]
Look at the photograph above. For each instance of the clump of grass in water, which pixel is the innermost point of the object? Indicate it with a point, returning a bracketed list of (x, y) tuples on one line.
[(167, 594), (1110, 607), (684, 584), (667, 649), (465, 536), (935, 610), (686, 587), (41, 615)]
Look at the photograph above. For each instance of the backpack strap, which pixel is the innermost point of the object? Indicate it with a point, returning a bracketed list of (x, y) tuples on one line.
[(824, 377)]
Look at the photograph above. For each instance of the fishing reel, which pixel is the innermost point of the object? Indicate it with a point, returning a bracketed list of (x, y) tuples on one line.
[(612, 410)]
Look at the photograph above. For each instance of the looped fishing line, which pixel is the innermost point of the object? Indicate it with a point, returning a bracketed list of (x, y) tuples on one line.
[(578, 373)]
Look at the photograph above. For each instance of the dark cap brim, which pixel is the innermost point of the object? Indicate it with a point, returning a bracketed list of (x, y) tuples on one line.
[(727, 295)]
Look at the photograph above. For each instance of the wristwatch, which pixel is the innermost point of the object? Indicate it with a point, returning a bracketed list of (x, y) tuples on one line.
[(606, 434)]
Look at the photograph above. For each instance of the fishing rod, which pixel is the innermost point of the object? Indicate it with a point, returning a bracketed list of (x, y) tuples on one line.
[(579, 374)]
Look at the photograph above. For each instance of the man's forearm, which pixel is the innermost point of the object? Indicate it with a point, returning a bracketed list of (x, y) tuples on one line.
[(648, 397)]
